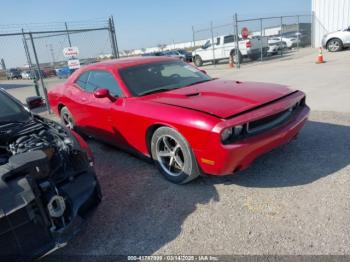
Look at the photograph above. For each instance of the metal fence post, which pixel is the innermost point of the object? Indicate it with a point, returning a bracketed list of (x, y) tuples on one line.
[(30, 65), (281, 33), (261, 40), (112, 39), (115, 37), (237, 41), (68, 35), (212, 42), (39, 73)]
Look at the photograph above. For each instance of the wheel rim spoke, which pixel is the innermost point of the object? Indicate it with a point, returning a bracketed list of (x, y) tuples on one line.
[(166, 143), (179, 162), (170, 155), (164, 153)]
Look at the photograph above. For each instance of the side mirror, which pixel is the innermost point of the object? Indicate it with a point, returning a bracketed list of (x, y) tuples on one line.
[(34, 102), (104, 93), (203, 71)]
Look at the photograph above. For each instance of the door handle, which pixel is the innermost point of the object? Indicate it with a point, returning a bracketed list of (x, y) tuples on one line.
[(83, 99)]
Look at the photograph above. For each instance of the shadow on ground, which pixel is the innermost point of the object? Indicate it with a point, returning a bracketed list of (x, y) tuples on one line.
[(142, 212)]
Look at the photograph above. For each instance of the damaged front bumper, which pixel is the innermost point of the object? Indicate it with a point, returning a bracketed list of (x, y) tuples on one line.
[(37, 217)]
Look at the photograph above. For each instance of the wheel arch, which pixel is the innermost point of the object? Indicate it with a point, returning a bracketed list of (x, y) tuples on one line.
[(334, 38), (59, 107), (149, 134)]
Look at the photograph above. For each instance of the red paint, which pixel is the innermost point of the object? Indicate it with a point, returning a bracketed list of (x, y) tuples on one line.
[(200, 117)]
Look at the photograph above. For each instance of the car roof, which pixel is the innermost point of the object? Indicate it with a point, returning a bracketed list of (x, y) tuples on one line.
[(131, 61)]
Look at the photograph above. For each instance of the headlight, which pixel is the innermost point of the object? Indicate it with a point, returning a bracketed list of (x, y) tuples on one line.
[(226, 134), (238, 130), (231, 132)]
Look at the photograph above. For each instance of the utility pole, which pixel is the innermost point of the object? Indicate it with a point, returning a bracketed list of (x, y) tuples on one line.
[(52, 53), (193, 37), (68, 35)]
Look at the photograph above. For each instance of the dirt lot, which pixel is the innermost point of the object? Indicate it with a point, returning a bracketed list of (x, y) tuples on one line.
[(294, 200)]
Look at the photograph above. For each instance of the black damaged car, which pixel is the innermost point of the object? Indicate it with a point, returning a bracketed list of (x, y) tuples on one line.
[(47, 183)]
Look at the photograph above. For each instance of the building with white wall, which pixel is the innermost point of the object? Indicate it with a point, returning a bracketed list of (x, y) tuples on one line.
[(329, 16)]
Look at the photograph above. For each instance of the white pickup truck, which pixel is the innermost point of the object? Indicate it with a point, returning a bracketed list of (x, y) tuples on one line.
[(225, 46)]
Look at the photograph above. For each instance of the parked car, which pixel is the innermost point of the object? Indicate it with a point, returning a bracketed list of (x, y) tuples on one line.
[(275, 48), (13, 73), (303, 37), (153, 54), (290, 41), (47, 182), (175, 54), (225, 46), (27, 75), (188, 55), (177, 115), (49, 72), (336, 41), (64, 72)]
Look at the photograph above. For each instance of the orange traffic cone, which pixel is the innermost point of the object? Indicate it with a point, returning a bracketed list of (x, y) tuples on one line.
[(320, 59), (230, 62)]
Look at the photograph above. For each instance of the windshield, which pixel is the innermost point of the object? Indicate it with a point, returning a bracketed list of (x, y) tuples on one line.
[(161, 76), (11, 111)]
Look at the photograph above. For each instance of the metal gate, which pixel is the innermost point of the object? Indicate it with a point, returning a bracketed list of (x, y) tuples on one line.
[(37, 50)]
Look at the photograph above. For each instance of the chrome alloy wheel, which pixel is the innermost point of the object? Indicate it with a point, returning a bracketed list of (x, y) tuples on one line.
[(67, 120), (170, 155), (334, 45)]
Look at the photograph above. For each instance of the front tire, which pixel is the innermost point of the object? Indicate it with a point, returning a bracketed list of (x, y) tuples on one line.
[(334, 45), (173, 156)]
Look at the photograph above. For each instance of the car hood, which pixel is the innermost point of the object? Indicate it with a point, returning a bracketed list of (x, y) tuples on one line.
[(222, 98)]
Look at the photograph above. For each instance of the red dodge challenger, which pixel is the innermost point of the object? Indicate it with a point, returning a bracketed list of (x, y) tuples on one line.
[(186, 121)]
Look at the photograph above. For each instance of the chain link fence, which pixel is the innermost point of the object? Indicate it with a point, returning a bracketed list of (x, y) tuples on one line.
[(260, 39), (35, 51)]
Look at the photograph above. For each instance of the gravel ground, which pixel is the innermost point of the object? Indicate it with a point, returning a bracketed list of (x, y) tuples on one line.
[(293, 200)]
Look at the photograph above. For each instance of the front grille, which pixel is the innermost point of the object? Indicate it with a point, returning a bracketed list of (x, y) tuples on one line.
[(272, 121)]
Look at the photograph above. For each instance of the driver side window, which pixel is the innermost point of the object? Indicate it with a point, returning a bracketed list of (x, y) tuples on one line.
[(103, 79)]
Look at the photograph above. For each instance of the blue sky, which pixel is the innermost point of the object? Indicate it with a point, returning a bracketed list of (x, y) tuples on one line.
[(149, 22), (143, 23)]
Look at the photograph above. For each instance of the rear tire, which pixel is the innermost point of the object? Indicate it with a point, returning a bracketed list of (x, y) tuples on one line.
[(334, 45), (173, 156), (236, 59), (67, 118), (198, 60)]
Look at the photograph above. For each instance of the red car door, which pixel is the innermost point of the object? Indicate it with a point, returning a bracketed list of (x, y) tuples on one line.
[(102, 111), (79, 98)]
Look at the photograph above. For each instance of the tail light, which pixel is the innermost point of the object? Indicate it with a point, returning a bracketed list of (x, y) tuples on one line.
[(248, 44)]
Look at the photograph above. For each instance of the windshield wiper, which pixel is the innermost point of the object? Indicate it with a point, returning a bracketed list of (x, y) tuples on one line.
[(198, 82), (155, 91)]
